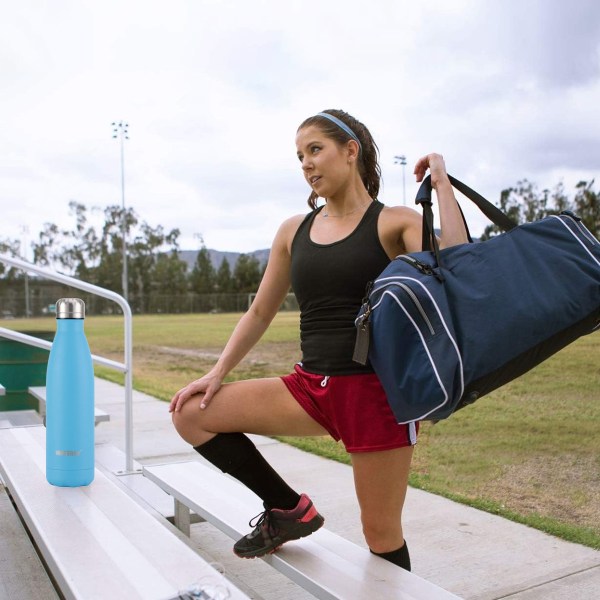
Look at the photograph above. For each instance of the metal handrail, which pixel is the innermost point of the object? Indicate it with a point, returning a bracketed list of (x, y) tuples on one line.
[(126, 367), (31, 340)]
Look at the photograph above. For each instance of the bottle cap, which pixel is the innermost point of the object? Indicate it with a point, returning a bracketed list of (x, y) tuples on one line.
[(70, 308)]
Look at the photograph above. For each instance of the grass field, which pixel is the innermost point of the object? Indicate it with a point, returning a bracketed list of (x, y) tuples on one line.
[(530, 451)]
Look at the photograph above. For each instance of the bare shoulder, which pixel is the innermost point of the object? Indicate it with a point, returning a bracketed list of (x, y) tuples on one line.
[(400, 211), (287, 231), (292, 223), (399, 229)]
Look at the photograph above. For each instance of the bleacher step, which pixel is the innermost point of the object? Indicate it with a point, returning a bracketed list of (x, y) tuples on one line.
[(22, 574), (97, 541), (325, 564), (39, 393)]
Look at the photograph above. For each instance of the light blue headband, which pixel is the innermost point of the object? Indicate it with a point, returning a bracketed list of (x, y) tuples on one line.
[(342, 126)]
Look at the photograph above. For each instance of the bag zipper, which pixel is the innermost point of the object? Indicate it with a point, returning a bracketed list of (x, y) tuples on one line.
[(420, 266), (419, 306), (417, 264), (414, 299)]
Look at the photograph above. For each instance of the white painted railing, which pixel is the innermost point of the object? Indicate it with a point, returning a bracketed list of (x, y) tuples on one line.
[(126, 367)]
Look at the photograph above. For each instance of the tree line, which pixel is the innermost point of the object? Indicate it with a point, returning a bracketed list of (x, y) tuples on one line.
[(155, 267), (525, 203), (95, 254)]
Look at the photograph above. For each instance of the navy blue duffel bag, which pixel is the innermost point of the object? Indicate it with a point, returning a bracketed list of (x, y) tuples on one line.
[(442, 328)]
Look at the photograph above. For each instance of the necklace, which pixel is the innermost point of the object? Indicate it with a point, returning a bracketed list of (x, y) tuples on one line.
[(326, 214)]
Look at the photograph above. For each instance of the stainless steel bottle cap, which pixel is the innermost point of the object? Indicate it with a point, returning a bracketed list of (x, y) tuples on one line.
[(70, 308)]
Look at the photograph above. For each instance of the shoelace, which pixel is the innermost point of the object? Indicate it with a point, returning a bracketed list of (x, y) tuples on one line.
[(263, 518)]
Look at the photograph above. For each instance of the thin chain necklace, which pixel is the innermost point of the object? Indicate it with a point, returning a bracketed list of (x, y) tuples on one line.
[(326, 214)]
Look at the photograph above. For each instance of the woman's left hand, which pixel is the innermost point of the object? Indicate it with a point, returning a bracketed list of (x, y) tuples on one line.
[(451, 220), (435, 163)]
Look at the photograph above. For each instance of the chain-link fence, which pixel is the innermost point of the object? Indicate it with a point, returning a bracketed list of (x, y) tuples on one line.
[(40, 300)]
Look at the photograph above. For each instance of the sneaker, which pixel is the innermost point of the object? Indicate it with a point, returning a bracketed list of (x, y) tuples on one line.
[(274, 527)]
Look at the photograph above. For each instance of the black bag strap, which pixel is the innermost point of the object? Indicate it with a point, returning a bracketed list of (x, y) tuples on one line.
[(494, 214)]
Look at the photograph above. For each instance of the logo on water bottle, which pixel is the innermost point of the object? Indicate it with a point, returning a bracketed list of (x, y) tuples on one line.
[(68, 452)]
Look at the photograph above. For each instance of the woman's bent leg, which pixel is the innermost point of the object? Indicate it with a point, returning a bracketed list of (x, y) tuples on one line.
[(257, 406), (236, 455), (263, 406), (381, 480)]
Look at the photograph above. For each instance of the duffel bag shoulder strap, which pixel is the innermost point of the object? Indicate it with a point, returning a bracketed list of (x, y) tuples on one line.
[(494, 214)]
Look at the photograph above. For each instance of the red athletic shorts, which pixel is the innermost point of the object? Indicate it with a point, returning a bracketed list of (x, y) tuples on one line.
[(353, 408)]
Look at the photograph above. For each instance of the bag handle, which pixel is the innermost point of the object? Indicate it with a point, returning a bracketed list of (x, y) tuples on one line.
[(494, 214)]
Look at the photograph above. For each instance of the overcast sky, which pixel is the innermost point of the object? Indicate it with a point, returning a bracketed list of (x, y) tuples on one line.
[(214, 90)]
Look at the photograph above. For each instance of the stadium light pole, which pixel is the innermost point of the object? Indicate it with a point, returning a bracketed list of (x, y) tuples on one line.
[(25, 232), (121, 132), (401, 160)]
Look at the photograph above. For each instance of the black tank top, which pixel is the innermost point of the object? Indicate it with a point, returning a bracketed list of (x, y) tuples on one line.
[(329, 281)]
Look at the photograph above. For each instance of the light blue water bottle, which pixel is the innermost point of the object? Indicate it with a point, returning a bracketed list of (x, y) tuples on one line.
[(70, 400)]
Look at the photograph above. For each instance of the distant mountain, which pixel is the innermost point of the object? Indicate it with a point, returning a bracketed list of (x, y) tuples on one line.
[(216, 257)]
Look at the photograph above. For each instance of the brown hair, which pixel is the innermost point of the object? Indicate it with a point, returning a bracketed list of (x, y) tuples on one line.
[(368, 159)]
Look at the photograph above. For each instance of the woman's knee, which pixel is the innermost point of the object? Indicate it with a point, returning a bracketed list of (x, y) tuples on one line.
[(381, 534), (188, 423)]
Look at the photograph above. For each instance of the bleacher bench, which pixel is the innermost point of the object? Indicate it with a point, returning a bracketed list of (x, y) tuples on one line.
[(22, 575), (325, 564), (39, 393), (19, 418), (97, 541)]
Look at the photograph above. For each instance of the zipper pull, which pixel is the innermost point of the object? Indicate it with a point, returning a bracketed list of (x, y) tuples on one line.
[(363, 337), (568, 213), (421, 266), (417, 264)]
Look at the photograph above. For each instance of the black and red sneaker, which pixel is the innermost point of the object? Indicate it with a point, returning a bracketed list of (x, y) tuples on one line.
[(274, 527)]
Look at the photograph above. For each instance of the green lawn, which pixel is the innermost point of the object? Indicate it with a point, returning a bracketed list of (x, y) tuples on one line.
[(530, 451)]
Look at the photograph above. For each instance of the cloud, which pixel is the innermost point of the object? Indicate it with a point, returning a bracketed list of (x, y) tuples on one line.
[(554, 43), (214, 91)]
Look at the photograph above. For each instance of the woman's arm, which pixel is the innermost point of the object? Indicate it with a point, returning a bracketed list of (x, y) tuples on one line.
[(273, 288), (272, 291), (452, 226)]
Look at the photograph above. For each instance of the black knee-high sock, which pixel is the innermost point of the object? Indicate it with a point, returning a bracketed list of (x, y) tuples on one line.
[(399, 557), (235, 454)]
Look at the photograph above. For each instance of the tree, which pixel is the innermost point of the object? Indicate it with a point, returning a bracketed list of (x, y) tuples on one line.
[(203, 277), (44, 251), (143, 251), (12, 248), (524, 203), (224, 280), (109, 271), (83, 252), (98, 257), (246, 274), (75, 251), (169, 274), (586, 205)]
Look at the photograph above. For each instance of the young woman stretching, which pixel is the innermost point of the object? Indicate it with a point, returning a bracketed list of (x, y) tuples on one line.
[(327, 256)]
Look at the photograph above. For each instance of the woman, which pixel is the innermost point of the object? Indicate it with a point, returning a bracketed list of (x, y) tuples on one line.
[(327, 256)]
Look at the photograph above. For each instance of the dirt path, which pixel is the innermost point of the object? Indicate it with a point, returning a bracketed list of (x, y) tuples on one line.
[(268, 358)]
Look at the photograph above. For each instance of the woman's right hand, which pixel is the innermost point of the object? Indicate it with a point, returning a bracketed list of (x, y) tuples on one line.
[(208, 385)]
